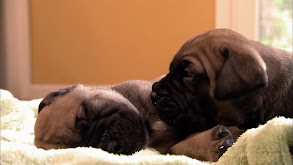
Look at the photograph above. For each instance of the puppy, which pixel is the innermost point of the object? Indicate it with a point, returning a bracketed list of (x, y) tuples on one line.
[(220, 77), (97, 117), (119, 119)]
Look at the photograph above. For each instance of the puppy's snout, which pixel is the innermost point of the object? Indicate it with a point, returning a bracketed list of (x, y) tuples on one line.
[(114, 147), (154, 97), (156, 86)]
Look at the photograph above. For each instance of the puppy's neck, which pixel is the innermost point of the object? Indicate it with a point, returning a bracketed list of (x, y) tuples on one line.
[(278, 96)]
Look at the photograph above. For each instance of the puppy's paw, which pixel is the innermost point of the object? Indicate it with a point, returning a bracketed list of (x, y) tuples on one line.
[(222, 139)]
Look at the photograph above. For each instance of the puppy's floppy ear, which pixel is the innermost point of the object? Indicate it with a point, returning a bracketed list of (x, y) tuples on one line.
[(243, 71)]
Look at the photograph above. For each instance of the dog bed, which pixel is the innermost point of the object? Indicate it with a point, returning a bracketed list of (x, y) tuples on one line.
[(267, 144)]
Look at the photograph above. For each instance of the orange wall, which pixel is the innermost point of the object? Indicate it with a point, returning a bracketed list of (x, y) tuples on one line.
[(109, 41)]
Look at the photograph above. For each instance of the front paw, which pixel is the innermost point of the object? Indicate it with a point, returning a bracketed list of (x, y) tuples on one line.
[(222, 139)]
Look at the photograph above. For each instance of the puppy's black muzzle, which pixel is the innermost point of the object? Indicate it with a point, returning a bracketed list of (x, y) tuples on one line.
[(154, 95), (179, 107), (162, 100)]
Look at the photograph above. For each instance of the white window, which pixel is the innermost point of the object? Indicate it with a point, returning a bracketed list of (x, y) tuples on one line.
[(275, 27), (268, 21)]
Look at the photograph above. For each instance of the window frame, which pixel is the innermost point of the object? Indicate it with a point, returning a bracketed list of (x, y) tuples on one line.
[(232, 14)]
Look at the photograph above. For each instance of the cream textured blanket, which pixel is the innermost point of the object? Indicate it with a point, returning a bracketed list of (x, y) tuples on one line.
[(267, 144)]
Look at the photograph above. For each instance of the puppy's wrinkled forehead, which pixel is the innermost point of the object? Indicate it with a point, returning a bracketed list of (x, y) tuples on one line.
[(105, 97), (189, 56), (204, 51)]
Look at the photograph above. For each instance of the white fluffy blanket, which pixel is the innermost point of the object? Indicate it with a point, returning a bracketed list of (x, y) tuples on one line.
[(267, 144)]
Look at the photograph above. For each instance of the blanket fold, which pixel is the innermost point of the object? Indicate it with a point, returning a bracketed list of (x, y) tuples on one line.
[(266, 144)]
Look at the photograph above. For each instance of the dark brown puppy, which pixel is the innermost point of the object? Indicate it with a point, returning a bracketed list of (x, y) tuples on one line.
[(220, 77), (118, 119)]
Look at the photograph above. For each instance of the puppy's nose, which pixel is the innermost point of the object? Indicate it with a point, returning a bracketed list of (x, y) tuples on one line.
[(156, 86), (114, 147), (154, 97)]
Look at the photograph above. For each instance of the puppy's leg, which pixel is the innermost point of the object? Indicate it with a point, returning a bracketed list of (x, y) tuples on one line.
[(209, 145), (51, 145)]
